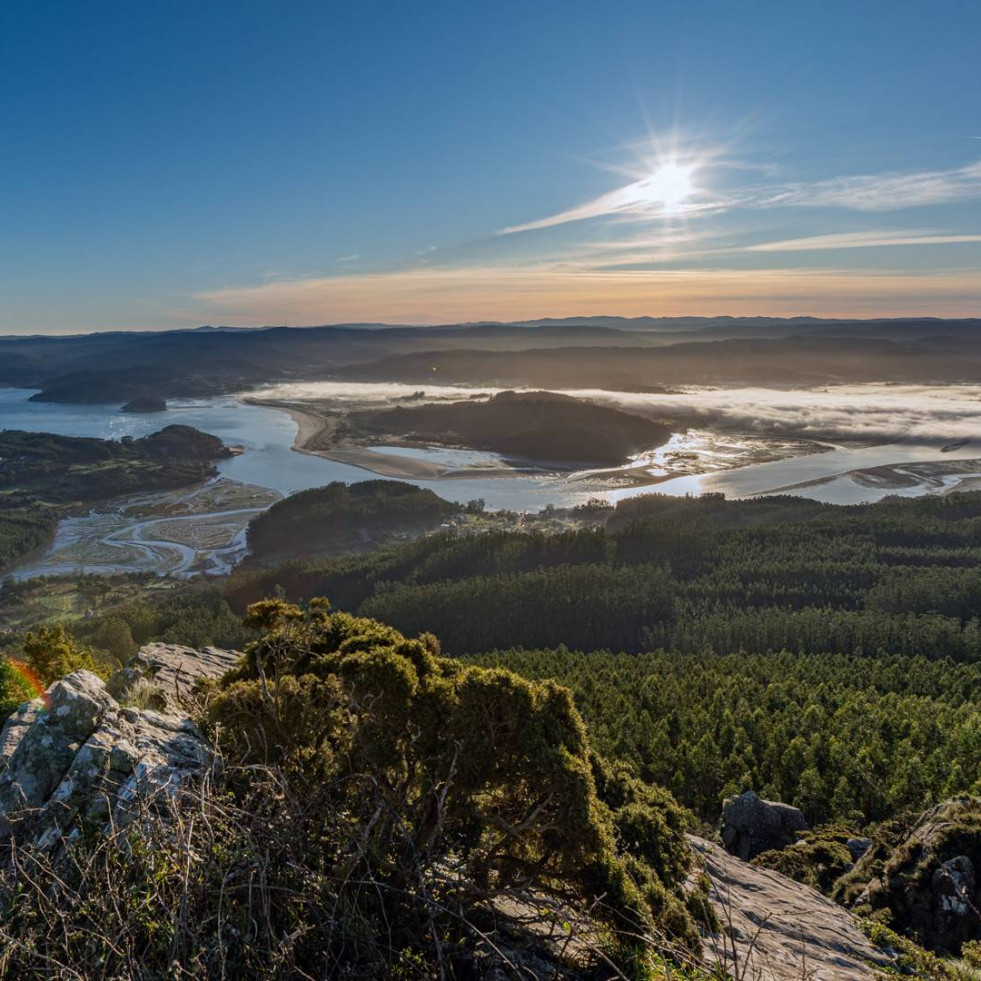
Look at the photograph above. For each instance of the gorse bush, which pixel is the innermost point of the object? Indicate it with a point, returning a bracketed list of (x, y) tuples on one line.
[(451, 771)]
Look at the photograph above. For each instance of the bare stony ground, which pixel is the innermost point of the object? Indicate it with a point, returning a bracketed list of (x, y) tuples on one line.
[(775, 929), (176, 668)]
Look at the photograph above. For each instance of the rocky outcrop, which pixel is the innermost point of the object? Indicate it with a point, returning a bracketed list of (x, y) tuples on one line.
[(174, 670), (929, 882), (751, 826), (773, 928), (79, 755)]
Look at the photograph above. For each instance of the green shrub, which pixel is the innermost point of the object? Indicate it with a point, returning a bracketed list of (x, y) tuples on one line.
[(51, 654), (818, 859), (439, 763)]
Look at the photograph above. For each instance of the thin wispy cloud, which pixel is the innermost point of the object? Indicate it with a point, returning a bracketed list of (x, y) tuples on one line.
[(861, 240), (616, 202), (884, 192)]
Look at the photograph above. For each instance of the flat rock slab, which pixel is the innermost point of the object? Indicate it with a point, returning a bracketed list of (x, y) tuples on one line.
[(782, 929), (177, 668)]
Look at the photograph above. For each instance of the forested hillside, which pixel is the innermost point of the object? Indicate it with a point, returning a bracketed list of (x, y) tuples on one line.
[(345, 517), (825, 656), (828, 656), (902, 576), (852, 738)]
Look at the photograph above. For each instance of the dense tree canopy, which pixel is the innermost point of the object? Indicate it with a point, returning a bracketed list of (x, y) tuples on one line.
[(344, 517)]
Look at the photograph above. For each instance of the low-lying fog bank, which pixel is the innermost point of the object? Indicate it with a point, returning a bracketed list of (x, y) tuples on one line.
[(882, 413)]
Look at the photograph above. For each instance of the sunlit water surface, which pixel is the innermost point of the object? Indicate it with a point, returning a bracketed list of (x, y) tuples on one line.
[(269, 459), (926, 417)]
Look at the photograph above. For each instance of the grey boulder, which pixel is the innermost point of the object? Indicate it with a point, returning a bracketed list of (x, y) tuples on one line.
[(751, 826)]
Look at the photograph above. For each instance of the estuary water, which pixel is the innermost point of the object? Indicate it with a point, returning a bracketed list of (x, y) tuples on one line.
[(938, 449), (929, 418), (269, 460)]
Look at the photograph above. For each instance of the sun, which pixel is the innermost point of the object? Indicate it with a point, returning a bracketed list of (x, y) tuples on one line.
[(669, 185)]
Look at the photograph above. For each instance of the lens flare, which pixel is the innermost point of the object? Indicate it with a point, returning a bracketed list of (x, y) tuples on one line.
[(26, 675)]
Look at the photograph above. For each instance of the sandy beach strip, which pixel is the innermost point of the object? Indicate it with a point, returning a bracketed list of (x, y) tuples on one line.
[(310, 426), (410, 468)]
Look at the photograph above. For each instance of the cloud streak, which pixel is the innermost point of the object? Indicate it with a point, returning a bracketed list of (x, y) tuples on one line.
[(861, 240), (884, 192), (869, 192)]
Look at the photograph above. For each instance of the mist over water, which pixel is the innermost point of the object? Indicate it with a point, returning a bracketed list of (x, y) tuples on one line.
[(876, 412), (910, 423), (868, 411)]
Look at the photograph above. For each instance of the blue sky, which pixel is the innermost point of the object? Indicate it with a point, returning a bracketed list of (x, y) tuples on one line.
[(168, 164)]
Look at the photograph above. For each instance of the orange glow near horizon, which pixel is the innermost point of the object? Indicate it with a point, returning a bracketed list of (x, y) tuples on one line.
[(493, 293)]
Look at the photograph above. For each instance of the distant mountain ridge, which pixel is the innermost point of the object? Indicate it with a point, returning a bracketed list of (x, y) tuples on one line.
[(121, 366)]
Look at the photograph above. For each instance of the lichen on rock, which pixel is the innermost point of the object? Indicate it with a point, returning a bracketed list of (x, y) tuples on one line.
[(76, 755)]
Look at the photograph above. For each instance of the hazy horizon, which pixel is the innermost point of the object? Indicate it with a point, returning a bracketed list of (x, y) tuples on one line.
[(524, 321)]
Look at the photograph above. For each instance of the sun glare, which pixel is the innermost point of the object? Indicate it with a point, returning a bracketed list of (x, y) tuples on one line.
[(669, 185)]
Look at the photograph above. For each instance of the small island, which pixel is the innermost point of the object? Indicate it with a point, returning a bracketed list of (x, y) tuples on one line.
[(538, 426), (145, 404)]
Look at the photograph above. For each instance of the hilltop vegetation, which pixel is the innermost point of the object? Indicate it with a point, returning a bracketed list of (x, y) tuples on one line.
[(380, 811), (345, 517)]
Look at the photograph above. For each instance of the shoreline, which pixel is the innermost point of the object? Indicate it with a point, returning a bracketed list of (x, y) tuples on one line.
[(310, 426), (631, 476)]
